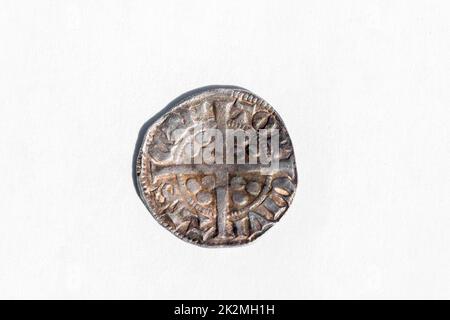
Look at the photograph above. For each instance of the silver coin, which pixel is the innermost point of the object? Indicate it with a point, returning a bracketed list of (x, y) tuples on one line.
[(216, 167)]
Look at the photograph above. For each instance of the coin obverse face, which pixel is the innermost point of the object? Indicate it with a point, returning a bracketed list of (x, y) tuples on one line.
[(216, 167)]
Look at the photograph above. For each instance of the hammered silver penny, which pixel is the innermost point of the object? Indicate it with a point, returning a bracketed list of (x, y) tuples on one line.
[(216, 167)]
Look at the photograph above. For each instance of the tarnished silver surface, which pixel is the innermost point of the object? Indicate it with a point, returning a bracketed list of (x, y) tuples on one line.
[(212, 200)]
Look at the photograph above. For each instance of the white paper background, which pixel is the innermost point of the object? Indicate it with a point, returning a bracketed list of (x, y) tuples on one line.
[(363, 87)]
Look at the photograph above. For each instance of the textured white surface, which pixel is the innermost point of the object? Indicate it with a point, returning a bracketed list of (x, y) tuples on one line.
[(363, 87)]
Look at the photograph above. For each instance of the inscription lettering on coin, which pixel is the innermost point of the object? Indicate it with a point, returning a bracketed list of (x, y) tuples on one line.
[(217, 168)]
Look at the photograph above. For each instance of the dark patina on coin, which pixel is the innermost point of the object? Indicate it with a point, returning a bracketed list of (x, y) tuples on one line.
[(216, 167)]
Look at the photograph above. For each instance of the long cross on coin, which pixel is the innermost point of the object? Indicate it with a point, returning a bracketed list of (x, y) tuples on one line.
[(221, 172)]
